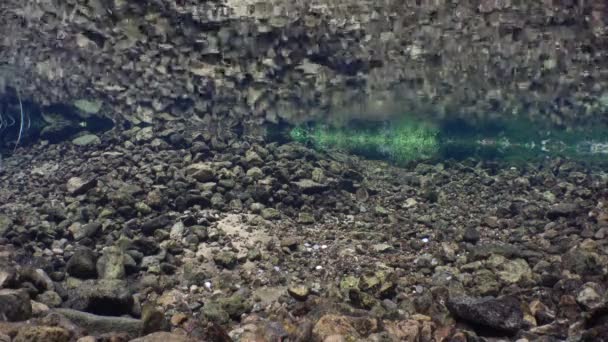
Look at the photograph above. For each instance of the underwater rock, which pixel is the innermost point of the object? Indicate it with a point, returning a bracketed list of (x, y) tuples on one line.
[(111, 264), (82, 231), (332, 325), (514, 271), (38, 278), (270, 214), (98, 325), (78, 186), (471, 234), (299, 292), (8, 276), (562, 210), (88, 107), (104, 297), (15, 305), (151, 225), (42, 333), (582, 262), (86, 140), (225, 259), (163, 337), (503, 314), (308, 186), (5, 223), (202, 172), (82, 264), (591, 296), (50, 299)]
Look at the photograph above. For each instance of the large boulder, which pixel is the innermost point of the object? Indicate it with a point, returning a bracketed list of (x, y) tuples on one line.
[(82, 264), (110, 297), (97, 325), (502, 314), (15, 305)]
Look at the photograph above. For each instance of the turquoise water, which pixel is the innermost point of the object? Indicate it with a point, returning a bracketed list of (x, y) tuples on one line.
[(412, 140)]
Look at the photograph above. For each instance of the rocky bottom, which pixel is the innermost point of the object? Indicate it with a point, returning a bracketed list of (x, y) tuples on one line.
[(171, 237)]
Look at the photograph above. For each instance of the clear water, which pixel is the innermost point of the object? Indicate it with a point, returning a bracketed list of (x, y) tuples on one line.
[(474, 70)]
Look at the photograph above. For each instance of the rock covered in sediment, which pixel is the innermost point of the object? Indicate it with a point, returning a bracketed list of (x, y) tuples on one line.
[(82, 264), (496, 313), (79, 186), (98, 324), (15, 305), (105, 297), (163, 337), (42, 333)]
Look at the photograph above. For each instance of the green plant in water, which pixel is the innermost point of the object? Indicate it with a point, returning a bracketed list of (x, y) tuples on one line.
[(405, 141)]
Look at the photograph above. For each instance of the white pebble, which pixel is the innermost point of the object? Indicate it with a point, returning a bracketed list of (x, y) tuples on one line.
[(425, 240), (323, 246), (319, 267), (208, 285)]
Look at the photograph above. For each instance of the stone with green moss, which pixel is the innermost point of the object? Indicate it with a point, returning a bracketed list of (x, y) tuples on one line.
[(406, 141)]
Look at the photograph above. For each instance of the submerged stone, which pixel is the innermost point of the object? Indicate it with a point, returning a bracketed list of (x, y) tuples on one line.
[(503, 314), (88, 106), (87, 140)]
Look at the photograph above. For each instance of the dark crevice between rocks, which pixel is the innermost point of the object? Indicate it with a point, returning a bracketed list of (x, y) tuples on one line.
[(54, 123)]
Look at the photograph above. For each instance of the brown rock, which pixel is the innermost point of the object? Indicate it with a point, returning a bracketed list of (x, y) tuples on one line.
[(42, 334), (334, 338), (329, 325), (178, 319), (304, 332), (299, 292), (11, 328), (408, 330), (87, 339), (163, 337)]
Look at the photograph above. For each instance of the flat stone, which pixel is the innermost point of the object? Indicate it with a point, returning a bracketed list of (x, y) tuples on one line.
[(84, 231), (102, 297), (88, 106), (97, 325), (562, 210), (163, 337), (86, 140), (78, 186), (308, 186), (382, 248)]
